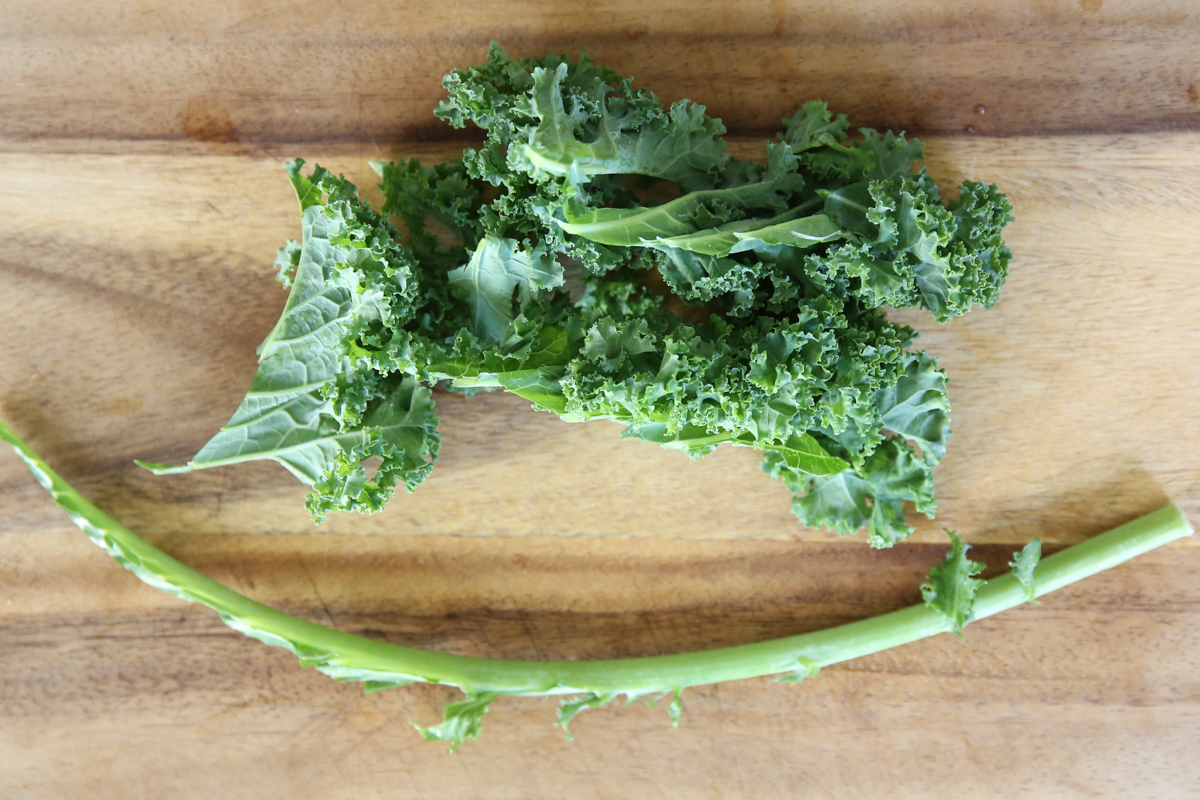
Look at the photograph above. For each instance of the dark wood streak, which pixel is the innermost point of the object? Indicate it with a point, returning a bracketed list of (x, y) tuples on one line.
[(1045, 73)]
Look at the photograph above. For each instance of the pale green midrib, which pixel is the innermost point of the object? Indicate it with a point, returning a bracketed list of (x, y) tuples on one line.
[(288, 393), (791, 215), (600, 163), (852, 204), (748, 226), (701, 441), (626, 676), (670, 208), (476, 381), (472, 371), (255, 455), (261, 454), (542, 162), (726, 437)]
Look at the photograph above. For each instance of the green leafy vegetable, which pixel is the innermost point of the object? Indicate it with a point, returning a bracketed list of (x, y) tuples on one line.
[(380, 665), (790, 262)]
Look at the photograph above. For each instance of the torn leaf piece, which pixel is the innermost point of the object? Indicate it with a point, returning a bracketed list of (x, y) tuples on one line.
[(675, 708), (347, 274), (805, 668), (1024, 562), (916, 406), (402, 432), (813, 125), (569, 709), (462, 720), (951, 586)]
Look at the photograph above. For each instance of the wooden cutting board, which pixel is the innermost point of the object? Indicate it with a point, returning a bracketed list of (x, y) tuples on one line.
[(144, 200)]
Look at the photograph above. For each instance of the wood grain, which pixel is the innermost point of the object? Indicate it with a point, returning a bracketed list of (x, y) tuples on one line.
[(113, 690), (144, 202), (265, 71)]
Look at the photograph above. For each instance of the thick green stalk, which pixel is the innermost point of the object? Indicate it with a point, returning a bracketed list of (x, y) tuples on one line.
[(380, 664)]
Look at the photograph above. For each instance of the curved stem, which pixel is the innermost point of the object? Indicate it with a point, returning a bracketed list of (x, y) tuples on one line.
[(351, 657)]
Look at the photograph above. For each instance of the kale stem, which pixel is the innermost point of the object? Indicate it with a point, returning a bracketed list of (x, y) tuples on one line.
[(351, 657)]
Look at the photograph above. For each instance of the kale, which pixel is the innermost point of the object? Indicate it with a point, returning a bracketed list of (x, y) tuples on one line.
[(789, 265)]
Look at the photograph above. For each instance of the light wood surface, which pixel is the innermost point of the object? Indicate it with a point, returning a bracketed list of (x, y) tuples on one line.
[(142, 206)]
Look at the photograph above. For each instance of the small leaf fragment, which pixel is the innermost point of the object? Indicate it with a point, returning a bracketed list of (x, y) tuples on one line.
[(805, 668), (569, 709), (951, 588), (675, 708), (462, 720), (1024, 562)]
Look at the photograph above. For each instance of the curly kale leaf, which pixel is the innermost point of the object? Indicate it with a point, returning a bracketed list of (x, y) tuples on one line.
[(908, 248), (629, 133), (697, 211), (871, 495), (312, 406)]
